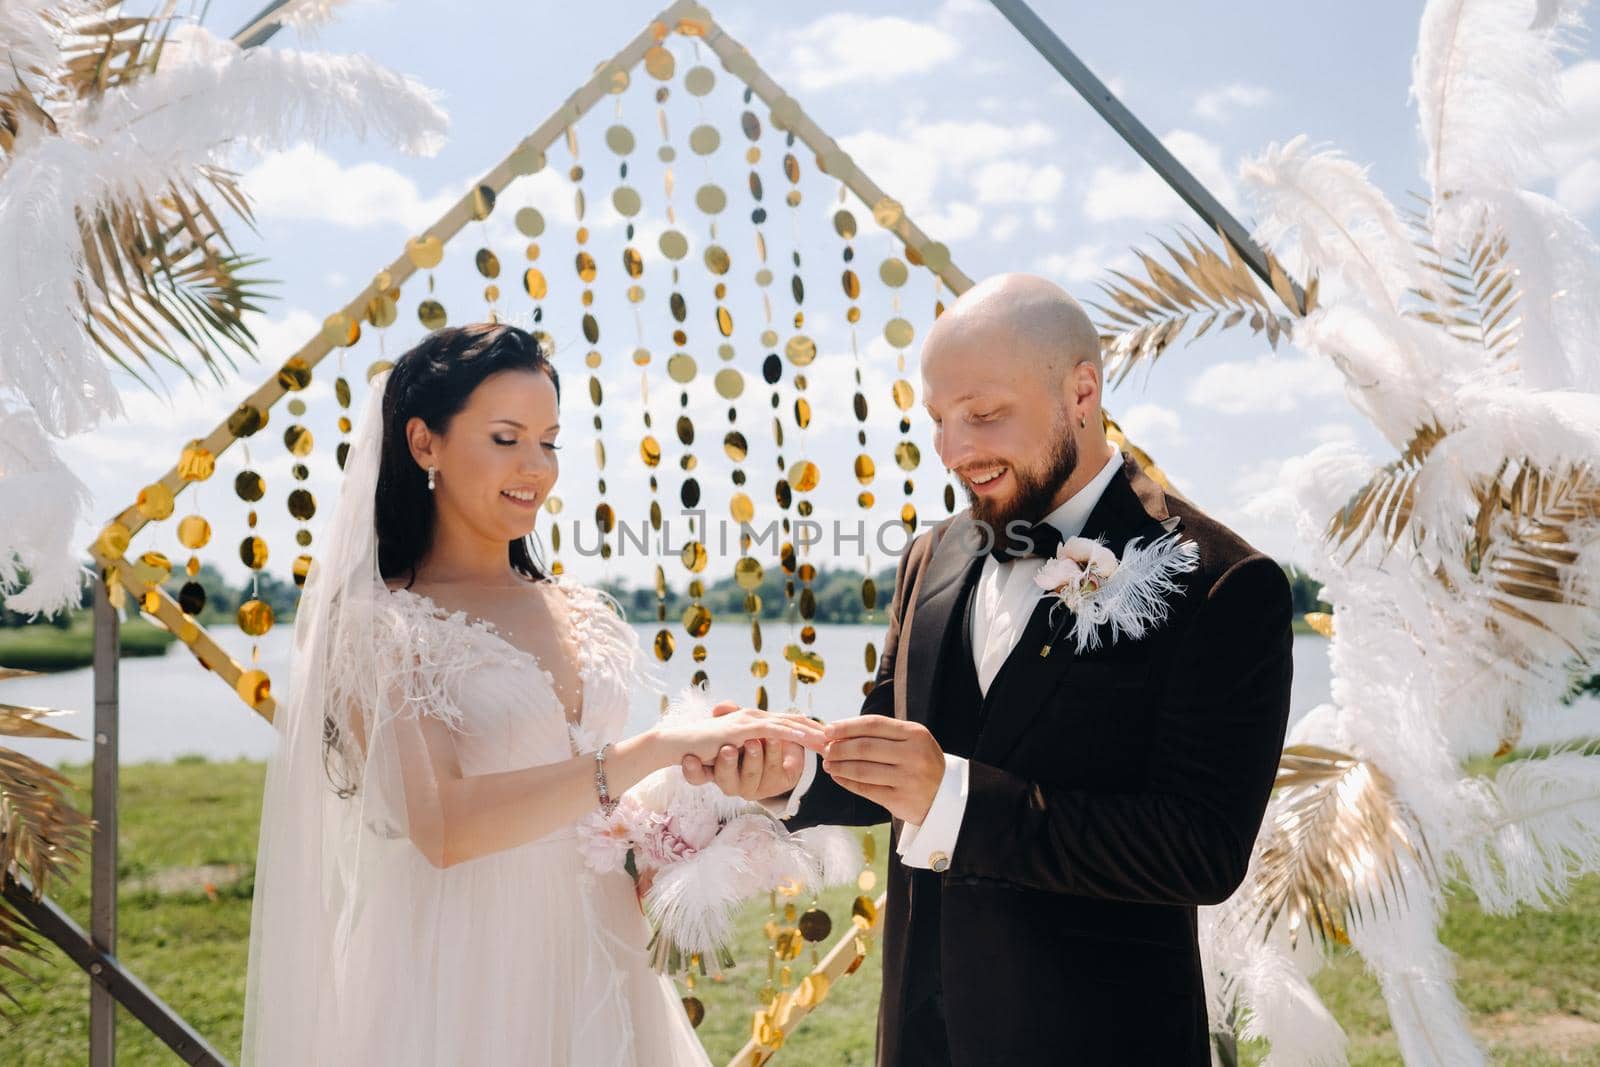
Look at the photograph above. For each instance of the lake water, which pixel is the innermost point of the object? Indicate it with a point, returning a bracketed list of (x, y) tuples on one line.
[(172, 706)]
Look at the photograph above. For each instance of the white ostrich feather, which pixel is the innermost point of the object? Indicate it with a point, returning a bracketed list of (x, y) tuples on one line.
[(1283, 1008), (693, 901), (308, 16), (1558, 282), (1540, 830), (1320, 210), (1133, 600), (1415, 973), (124, 146), (1400, 372), (39, 497), (131, 143), (834, 851), (1451, 639), (31, 37), (1484, 81)]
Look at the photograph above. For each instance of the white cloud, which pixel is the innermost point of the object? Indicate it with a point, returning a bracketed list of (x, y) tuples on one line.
[(919, 162), (1011, 181), (304, 183), (958, 222), (908, 164), (1256, 478), (1265, 384), (1578, 190), (1222, 103), (1573, 146), (850, 49), (1327, 432), (1082, 263), (1150, 424), (1137, 192)]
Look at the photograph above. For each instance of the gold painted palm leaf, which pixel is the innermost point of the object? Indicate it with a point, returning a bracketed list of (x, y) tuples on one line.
[(1332, 853), (164, 278), (42, 834), (1528, 534), (1144, 316), (1475, 297), (1384, 505)]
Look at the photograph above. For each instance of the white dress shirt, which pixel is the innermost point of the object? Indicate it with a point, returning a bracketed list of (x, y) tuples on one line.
[(1004, 600)]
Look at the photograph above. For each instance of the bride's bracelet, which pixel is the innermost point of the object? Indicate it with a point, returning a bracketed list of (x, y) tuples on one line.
[(607, 805)]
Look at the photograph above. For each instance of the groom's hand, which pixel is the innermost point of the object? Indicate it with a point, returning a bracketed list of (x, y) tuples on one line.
[(763, 769), (892, 762)]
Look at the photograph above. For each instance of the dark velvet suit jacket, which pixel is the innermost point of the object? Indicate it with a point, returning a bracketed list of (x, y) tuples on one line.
[(1110, 793)]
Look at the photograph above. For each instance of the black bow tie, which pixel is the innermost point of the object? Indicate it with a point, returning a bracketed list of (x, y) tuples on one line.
[(1011, 547)]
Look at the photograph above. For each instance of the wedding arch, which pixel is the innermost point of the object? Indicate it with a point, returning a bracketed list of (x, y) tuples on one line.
[(680, 215)]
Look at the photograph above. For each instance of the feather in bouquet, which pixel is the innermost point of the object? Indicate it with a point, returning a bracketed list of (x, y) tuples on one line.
[(706, 853)]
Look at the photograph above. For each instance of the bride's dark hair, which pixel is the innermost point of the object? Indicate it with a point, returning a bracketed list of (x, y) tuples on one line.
[(432, 381)]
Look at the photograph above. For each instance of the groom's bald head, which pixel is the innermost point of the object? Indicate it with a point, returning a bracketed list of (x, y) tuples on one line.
[(1021, 319), (1011, 376)]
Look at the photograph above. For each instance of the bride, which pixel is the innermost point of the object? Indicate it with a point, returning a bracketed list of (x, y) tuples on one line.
[(453, 712)]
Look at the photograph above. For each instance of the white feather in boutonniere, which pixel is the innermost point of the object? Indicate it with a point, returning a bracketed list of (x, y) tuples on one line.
[(1128, 594)]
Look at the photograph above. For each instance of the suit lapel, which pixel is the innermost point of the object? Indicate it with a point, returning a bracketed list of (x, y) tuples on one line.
[(955, 560), (1132, 505)]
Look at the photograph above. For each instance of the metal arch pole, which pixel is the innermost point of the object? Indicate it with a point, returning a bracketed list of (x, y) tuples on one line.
[(103, 839), (1139, 138), (260, 30)]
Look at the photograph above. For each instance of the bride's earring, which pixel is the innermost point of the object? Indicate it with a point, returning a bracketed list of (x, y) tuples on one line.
[(433, 476)]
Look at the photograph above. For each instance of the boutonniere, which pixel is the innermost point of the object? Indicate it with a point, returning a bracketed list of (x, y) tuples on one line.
[(1098, 588)]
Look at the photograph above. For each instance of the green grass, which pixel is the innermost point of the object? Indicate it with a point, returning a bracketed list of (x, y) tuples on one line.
[(42, 647), (1522, 977)]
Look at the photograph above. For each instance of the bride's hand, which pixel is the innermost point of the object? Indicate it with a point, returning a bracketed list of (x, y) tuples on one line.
[(763, 769), (703, 738)]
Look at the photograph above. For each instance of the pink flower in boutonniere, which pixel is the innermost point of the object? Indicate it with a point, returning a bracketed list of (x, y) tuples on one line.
[(1128, 593), (1080, 567)]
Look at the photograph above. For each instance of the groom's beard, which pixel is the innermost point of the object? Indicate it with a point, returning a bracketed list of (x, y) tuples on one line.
[(1036, 486)]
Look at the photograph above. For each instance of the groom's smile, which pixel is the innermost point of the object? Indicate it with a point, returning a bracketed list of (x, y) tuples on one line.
[(988, 481)]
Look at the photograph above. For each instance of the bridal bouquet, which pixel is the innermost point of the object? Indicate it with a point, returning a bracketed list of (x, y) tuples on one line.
[(703, 854)]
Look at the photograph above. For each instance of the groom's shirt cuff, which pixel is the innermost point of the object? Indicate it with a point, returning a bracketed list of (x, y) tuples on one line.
[(931, 844), (784, 807)]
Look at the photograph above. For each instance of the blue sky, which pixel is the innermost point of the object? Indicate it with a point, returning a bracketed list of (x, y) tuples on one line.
[(947, 107)]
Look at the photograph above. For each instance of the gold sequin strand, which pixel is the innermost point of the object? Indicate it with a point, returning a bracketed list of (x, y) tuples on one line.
[(254, 615), (196, 464), (899, 332), (629, 204), (711, 201), (587, 270), (673, 246), (529, 222), (865, 470), (301, 503), (748, 571), (805, 663), (486, 262), (426, 253)]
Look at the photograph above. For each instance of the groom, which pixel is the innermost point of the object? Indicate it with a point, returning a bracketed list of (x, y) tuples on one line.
[(1057, 815)]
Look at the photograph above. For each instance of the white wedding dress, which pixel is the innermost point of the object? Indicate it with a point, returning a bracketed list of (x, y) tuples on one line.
[(523, 956), (539, 959), (364, 952)]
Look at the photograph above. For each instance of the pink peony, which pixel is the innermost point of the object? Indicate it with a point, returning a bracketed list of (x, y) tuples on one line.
[(604, 840)]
